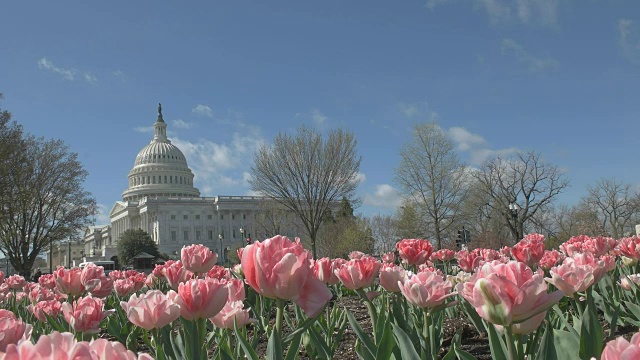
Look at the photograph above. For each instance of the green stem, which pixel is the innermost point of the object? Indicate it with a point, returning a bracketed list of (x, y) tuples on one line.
[(508, 332), (520, 347), (426, 333), (279, 316)]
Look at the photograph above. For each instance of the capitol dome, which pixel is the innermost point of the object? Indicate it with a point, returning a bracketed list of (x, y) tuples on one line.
[(160, 169)]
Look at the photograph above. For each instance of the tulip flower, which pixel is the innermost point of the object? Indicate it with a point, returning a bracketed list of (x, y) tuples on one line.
[(625, 281), (219, 272), (390, 275), (279, 268), (468, 261), (123, 287), (69, 281), (621, 349), (1, 276), (198, 259), (630, 247), (550, 259), (12, 329), (426, 289), (52, 308), (236, 290), (356, 255), (529, 250), (15, 282), (506, 294), (85, 314), (577, 273), (358, 273), (152, 310), (176, 274), (323, 270), (414, 251), (200, 298), (389, 258), (232, 313)]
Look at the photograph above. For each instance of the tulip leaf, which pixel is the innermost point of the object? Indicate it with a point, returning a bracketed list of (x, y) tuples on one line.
[(248, 349), (364, 338), (274, 347), (566, 344), (294, 345), (497, 346), (590, 331), (385, 343), (547, 349), (405, 345), (472, 314), (633, 308)]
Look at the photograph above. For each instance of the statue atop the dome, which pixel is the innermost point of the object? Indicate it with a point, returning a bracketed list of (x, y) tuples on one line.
[(160, 119)]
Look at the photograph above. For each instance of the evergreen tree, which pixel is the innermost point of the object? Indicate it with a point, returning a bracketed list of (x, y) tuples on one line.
[(133, 242)]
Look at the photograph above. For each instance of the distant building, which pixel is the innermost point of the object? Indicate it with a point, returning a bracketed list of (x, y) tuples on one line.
[(162, 201), (65, 254)]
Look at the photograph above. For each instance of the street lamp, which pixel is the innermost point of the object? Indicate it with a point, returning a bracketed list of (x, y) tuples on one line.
[(220, 238), (514, 213)]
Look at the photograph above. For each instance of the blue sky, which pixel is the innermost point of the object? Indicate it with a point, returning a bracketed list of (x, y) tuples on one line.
[(557, 76)]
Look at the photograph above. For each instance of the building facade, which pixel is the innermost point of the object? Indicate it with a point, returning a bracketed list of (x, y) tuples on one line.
[(161, 200)]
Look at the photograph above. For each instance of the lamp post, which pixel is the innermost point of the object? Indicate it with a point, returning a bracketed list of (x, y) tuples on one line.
[(242, 234), (50, 256), (514, 208), (220, 238)]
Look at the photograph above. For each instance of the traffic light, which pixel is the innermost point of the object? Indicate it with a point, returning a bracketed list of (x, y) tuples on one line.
[(459, 239)]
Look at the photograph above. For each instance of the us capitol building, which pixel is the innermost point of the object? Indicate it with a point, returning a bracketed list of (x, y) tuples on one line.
[(162, 201)]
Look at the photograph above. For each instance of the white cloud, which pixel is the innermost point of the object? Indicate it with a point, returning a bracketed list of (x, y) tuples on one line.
[(102, 216), (221, 165), (629, 40), (145, 129), (523, 11), (385, 196), (478, 156), (119, 74), (202, 110), (67, 74), (533, 63), (181, 124), (464, 139), (89, 77), (409, 110), (360, 178), (319, 119)]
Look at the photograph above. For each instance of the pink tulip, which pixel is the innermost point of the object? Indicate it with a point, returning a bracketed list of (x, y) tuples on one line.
[(625, 281), (511, 293), (177, 274), (219, 272), (621, 349), (85, 314), (390, 275), (529, 250), (117, 274), (48, 281), (52, 308), (12, 329), (198, 258), (90, 276), (358, 273), (15, 282), (69, 281), (323, 270), (236, 290), (426, 289), (233, 312), (443, 255), (389, 258), (39, 293), (577, 273), (153, 310), (469, 261), (630, 247), (1, 276), (103, 349), (101, 287), (200, 298), (139, 280), (414, 251), (123, 287), (356, 255), (580, 244), (550, 259), (158, 270)]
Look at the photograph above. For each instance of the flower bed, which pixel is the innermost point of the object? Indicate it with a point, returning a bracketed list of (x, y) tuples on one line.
[(511, 303)]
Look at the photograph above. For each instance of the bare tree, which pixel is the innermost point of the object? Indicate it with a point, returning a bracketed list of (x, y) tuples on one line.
[(431, 173), (45, 201), (274, 219), (615, 204), (306, 174), (384, 230), (524, 179)]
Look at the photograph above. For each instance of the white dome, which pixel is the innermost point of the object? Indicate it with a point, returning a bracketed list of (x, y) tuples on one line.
[(160, 169)]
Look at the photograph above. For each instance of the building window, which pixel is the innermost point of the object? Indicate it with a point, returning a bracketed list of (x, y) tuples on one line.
[(209, 217), (154, 179), (197, 217), (233, 216), (234, 233), (186, 235), (197, 234), (165, 179), (244, 217), (210, 234), (174, 236), (173, 217), (170, 179), (221, 217), (185, 217)]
